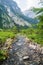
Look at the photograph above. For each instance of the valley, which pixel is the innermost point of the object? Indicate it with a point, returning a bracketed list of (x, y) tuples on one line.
[(21, 34)]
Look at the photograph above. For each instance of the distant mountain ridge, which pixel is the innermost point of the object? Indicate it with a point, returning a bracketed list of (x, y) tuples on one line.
[(11, 15), (29, 13)]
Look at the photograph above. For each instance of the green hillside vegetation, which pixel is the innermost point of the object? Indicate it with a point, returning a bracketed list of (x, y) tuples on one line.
[(4, 35), (7, 33), (36, 34)]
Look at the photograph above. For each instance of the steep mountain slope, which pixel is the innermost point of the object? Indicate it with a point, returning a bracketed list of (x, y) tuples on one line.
[(4, 17), (10, 5), (10, 15)]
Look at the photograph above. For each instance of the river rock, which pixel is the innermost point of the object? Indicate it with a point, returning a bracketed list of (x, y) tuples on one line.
[(24, 54), (25, 57), (42, 50)]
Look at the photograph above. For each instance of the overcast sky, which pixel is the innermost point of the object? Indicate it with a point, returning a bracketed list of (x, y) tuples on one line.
[(26, 4)]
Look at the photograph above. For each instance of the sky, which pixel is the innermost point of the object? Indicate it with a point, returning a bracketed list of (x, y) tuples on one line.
[(27, 4)]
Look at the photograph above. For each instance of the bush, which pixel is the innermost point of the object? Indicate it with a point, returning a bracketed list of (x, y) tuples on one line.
[(3, 54)]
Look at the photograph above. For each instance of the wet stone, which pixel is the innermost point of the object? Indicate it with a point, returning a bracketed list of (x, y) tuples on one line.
[(26, 58)]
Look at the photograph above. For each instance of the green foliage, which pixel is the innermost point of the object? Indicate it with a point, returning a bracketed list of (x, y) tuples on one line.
[(15, 29), (37, 10), (5, 34), (3, 54), (34, 34)]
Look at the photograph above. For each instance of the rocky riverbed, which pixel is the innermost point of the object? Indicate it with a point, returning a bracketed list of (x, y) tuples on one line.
[(24, 52)]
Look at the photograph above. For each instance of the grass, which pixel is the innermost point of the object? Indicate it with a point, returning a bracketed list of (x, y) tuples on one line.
[(34, 35), (3, 54), (4, 35)]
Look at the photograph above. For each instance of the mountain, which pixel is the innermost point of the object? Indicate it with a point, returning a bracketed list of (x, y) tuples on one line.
[(11, 15), (30, 13)]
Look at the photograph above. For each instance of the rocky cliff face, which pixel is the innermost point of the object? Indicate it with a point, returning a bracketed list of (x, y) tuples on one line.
[(11, 15)]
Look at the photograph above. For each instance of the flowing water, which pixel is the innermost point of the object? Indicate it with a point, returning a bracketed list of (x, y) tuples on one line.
[(23, 53)]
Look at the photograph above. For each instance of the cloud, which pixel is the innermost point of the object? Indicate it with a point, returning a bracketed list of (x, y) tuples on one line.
[(26, 4)]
